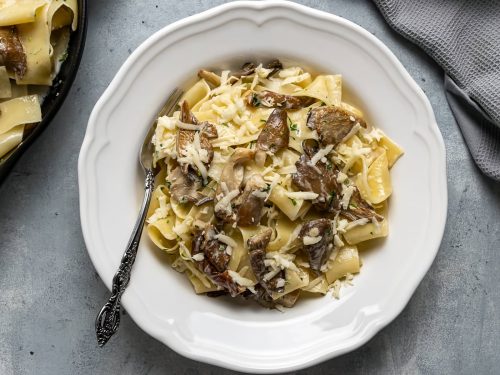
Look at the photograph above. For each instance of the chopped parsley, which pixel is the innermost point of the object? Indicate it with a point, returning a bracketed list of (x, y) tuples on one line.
[(293, 127), (266, 189), (333, 194), (263, 120), (294, 202), (64, 56), (256, 102)]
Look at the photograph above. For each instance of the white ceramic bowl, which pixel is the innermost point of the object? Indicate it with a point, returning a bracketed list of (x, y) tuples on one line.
[(242, 336)]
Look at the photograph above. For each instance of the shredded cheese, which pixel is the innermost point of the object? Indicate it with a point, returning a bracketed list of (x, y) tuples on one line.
[(268, 276), (226, 240), (280, 283), (314, 232), (353, 131), (304, 195), (337, 241), (198, 257), (197, 156), (341, 177), (224, 204), (356, 223), (186, 126), (240, 280), (347, 192), (320, 154), (308, 240)]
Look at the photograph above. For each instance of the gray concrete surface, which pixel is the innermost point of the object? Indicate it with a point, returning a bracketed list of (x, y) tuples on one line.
[(50, 293)]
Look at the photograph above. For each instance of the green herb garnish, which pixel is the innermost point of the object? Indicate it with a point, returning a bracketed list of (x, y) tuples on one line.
[(63, 57), (333, 194), (294, 202), (256, 102)]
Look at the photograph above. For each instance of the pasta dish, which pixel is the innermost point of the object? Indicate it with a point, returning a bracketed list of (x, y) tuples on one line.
[(34, 36), (268, 182)]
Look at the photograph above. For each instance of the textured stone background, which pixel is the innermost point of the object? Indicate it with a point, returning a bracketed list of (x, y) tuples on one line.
[(50, 293)]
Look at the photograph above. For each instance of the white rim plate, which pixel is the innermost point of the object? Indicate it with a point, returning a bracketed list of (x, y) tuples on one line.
[(233, 335)]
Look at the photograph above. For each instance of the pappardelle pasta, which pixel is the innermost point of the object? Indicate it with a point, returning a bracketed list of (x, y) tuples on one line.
[(34, 36), (268, 183)]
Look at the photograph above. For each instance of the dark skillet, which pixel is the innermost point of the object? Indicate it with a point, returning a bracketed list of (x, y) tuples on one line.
[(57, 92)]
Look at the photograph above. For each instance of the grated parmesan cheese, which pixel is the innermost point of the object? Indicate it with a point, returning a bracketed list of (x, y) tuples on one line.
[(314, 232), (284, 261), (337, 241), (308, 240), (186, 126), (347, 192), (259, 194), (240, 280), (225, 203), (341, 177), (226, 240), (280, 283), (197, 156), (356, 223), (320, 154), (353, 131), (198, 257), (342, 225), (162, 211), (304, 195), (268, 276)]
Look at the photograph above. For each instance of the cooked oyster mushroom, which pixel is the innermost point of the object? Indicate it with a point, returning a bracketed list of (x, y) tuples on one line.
[(275, 134), (257, 257), (210, 77), (215, 259), (246, 70), (360, 209), (12, 54), (257, 249), (251, 201), (275, 65), (272, 99), (332, 123), (260, 240), (317, 238), (225, 281), (184, 187), (230, 183), (186, 137), (320, 178)]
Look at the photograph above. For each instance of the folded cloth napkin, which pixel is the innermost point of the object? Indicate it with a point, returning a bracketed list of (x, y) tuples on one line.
[(463, 37)]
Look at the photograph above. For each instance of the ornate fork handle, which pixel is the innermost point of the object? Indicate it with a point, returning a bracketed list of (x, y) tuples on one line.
[(108, 319)]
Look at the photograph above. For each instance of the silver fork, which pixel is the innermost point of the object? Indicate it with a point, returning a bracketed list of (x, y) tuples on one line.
[(108, 319)]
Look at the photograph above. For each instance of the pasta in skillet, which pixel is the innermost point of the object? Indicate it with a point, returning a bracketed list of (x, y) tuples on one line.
[(268, 183), (34, 36)]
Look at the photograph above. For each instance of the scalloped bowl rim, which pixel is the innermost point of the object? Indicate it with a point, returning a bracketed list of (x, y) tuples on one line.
[(110, 99)]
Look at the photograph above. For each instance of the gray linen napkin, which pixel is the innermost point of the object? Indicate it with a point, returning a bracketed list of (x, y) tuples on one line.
[(463, 37)]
